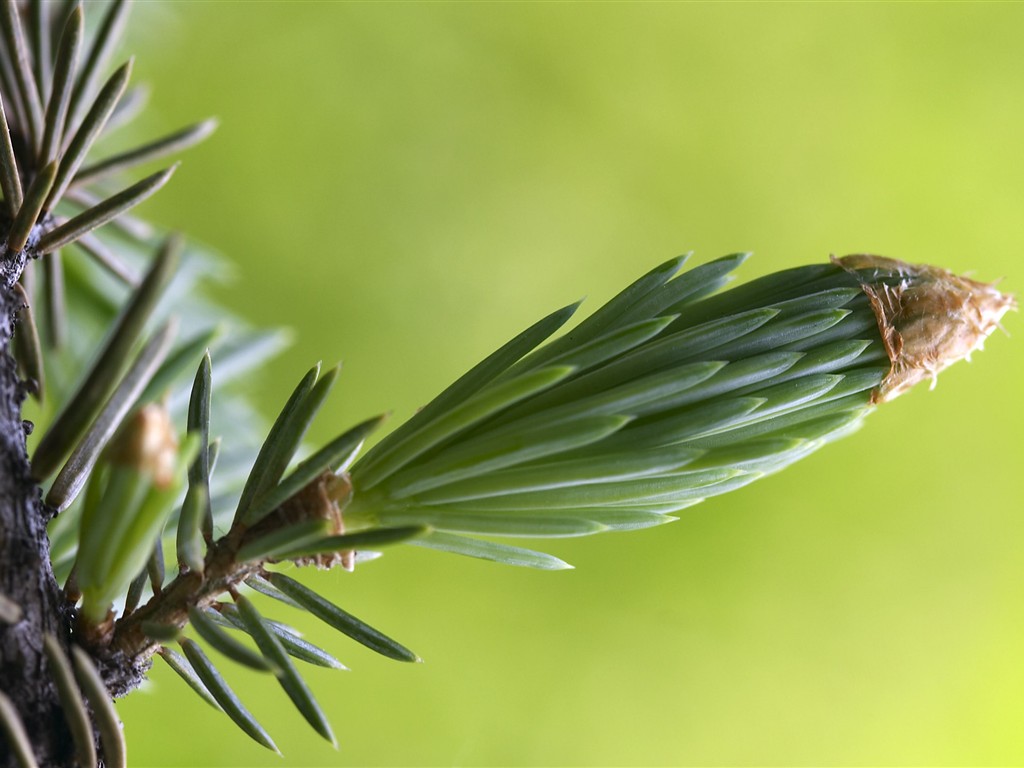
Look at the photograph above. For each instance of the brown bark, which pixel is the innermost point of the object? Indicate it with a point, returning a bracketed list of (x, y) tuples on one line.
[(26, 577), (26, 573)]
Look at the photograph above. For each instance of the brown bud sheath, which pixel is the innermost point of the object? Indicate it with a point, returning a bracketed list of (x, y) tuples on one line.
[(148, 443), (929, 319)]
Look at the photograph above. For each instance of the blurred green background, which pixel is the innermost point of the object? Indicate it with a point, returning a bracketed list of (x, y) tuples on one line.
[(408, 185)]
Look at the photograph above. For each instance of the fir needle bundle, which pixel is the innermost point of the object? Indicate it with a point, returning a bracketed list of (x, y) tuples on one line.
[(669, 394)]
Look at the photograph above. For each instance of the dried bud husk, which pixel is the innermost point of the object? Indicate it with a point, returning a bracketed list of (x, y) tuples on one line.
[(929, 318), (322, 499)]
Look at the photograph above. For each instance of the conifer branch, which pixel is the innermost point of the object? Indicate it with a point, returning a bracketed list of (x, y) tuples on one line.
[(675, 391)]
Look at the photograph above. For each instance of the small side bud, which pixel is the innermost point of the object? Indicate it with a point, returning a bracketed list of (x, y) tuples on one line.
[(148, 443), (929, 318)]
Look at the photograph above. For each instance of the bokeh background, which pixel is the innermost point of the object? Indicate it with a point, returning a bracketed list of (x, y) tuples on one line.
[(408, 185)]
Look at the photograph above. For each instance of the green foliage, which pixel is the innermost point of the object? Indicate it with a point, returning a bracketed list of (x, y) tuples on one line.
[(651, 405), (71, 700), (214, 683), (271, 647), (342, 621)]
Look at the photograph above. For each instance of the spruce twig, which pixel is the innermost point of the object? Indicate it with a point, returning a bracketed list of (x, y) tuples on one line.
[(673, 392)]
